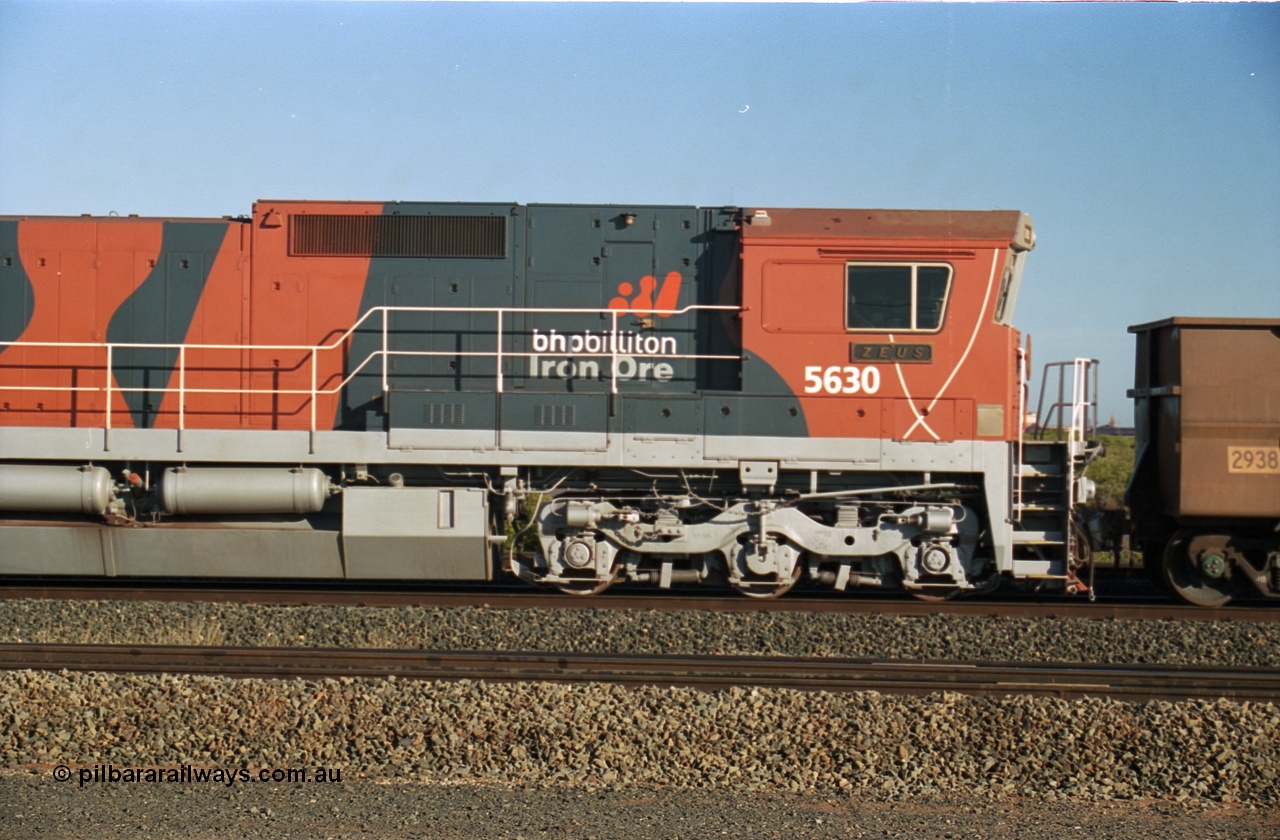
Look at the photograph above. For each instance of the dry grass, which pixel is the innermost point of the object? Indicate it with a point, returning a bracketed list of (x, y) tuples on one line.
[(201, 631)]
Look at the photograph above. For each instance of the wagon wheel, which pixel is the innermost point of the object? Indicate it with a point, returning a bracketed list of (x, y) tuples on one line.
[(1197, 580)]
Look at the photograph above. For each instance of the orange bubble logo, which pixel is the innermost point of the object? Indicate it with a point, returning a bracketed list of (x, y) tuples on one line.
[(646, 303)]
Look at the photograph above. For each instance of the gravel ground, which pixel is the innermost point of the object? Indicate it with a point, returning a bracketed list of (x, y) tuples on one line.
[(593, 735), (539, 760), (595, 631), (34, 807)]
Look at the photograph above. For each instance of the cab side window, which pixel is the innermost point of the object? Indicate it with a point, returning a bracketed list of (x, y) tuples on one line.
[(896, 297)]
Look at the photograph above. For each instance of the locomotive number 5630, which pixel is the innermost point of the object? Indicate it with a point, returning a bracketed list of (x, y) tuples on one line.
[(836, 379)]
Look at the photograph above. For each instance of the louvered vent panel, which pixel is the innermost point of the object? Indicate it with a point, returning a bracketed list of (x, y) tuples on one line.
[(444, 414), (556, 415), (397, 236)]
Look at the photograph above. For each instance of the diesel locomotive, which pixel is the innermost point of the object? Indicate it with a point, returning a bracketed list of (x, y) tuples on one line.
[(666, 395)]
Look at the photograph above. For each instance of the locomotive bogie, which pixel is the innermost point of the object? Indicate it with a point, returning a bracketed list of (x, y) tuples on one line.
[(763, 545)]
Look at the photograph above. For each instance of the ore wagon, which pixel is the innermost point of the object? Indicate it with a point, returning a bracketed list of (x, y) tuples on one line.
[(1205, 492)]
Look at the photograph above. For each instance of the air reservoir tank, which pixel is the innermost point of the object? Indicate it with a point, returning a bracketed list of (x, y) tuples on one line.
[(55, 489), (252, 490)]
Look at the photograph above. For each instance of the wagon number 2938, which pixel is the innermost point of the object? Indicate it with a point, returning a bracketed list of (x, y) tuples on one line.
[(837, 379), (1253, 459)]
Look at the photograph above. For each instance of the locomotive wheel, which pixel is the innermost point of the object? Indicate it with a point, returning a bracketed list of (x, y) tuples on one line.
[(1195, 581), (586, 588), (765, 591), (935, 594)]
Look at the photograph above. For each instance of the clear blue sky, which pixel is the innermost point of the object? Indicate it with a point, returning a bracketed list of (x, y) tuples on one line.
[(1143, 139)]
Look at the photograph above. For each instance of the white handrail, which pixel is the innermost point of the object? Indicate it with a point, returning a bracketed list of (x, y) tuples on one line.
[(182, 393), (351, 330), (109, 380), (314, 392), (499, 344), (384, 347), (1022, 433)]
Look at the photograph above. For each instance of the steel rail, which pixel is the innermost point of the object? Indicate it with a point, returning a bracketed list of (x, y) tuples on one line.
[(1124, 682), (1150, 609)]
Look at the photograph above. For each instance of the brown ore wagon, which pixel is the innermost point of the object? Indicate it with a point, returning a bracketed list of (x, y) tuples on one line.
[(1205, 492)]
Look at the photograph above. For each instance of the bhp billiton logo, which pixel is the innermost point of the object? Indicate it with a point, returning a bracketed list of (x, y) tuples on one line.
[(645, 302), (627, 354)]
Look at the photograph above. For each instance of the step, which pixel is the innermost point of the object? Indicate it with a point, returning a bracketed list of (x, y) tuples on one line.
[(1038, 470), (1038, 538), (1032, 507), (1040, 568)]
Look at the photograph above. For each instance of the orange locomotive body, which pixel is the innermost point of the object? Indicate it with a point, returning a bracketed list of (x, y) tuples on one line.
[(150, 286)]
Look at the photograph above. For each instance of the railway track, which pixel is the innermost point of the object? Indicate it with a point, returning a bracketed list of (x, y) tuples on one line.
[(1149, 608), (1126, 682)]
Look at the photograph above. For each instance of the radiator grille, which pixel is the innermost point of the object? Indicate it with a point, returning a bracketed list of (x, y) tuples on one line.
[(556, 415), (397, 236)]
